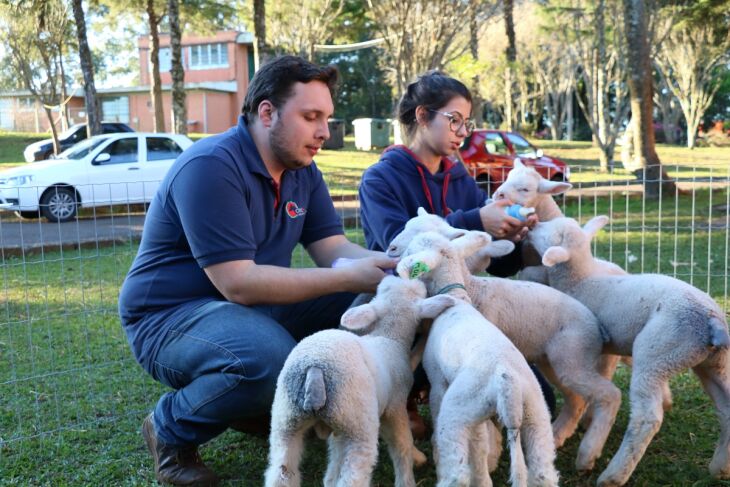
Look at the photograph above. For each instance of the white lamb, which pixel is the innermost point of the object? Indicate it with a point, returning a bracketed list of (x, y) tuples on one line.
[(542, 323), (525, 186), (476, 373), (664, 323), (352, 386)]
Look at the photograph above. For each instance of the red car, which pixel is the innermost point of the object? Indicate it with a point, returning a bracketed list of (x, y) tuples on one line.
[(489, 155)]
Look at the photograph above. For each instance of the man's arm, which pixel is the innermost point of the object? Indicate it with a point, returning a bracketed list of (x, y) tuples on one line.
[(245, 282), (326, 250)]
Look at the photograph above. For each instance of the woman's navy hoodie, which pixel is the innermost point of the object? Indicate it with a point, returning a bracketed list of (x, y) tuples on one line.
[(395, 187)]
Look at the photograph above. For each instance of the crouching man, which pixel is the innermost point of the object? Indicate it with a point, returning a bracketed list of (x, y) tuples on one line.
[(211, 306)]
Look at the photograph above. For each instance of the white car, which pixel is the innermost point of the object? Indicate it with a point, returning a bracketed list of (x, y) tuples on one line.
[(110, 169)]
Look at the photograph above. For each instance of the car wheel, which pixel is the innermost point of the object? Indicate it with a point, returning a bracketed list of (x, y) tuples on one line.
[(28, 215), (59, 204)]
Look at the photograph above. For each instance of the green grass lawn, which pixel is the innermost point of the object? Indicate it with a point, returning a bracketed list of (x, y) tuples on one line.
[(73, 398)]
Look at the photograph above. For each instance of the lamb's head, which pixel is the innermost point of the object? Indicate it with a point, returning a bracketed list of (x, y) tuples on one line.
[(439, 261), (560, 239), (524, 186), (421, 223), (396, 310)]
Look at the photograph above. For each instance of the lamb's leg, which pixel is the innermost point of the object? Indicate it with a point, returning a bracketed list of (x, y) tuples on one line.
[(714, 373), (666, 391), (494, 429), (659, 353), (285, 452), (578, 375), (436, 397), (573, 407), (460, 410), (479, 455), (645, 420), (336, 447), (359, 454), (396, 432), (607, 368)]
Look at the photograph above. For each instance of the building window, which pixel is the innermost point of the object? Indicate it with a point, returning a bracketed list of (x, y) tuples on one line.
[(165, 57), (115, 109), (207, 56), (26, 104)]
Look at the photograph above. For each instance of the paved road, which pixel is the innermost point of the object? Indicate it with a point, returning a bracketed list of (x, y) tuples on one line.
[(25, 236), (18, 237)]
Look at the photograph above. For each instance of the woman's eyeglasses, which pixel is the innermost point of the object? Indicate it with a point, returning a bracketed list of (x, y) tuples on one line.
[(456, 121)]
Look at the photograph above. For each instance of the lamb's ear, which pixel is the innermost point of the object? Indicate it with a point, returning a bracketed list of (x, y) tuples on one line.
[(419, 263), (359, 318), (421, 211), (594, 225), (552, 187), (555, 255), (453, 233), (518, 164), (471, 242), (434, 306), (498, 248)]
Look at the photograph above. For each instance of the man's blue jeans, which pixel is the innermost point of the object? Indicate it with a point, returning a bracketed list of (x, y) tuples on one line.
[(223, 360)]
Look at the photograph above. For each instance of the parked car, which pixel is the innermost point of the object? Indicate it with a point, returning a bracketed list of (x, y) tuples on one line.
[(43, 149), (489, 155), (103, 170)]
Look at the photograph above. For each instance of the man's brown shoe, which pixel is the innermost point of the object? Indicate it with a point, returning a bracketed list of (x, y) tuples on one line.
[(419, 429), (176, 465)]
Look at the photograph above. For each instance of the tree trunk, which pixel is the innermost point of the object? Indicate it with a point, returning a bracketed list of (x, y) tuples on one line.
[(691, 136), (511, 57), (259, 28), (155, 80), (179, 111), (640, 82), (54, 130), (65, 116), (93, 117), (474, 50), (570, 121)]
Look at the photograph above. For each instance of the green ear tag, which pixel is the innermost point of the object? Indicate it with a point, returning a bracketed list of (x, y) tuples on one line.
[(418, 269)]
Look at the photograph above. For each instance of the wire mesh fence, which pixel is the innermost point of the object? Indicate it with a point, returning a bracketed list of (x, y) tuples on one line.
[(65, 365)]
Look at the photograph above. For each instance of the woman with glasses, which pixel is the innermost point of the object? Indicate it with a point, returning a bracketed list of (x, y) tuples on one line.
[(434, 114)]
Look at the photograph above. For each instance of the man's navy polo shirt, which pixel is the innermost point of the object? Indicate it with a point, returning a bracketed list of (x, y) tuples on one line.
[(217, 203)]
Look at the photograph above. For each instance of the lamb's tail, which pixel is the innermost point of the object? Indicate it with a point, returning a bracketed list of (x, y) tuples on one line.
[(719, 337), (315, 393), (518, 467), (510, 412)]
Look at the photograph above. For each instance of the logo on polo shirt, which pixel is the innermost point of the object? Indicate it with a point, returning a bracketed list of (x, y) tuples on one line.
[(294, 211)]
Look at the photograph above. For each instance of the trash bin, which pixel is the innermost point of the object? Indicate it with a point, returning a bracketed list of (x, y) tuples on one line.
[(371, 132), (337, 134), (397, 135)]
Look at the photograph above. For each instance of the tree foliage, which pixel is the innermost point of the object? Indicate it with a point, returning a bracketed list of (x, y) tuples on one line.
[(421, 35), (39, 35)]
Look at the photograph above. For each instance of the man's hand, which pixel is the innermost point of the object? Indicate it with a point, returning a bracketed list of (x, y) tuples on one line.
[(365, 274)]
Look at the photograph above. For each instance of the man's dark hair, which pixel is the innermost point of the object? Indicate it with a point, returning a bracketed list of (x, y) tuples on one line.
[(274, 81), (433, 90)]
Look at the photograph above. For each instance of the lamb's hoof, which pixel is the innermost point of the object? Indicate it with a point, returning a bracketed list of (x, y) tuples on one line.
[(584, 464), (608, 480), (419, 459), (719, 469)]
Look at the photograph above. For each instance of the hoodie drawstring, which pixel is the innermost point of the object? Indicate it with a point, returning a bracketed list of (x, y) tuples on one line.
[(444, 209)]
